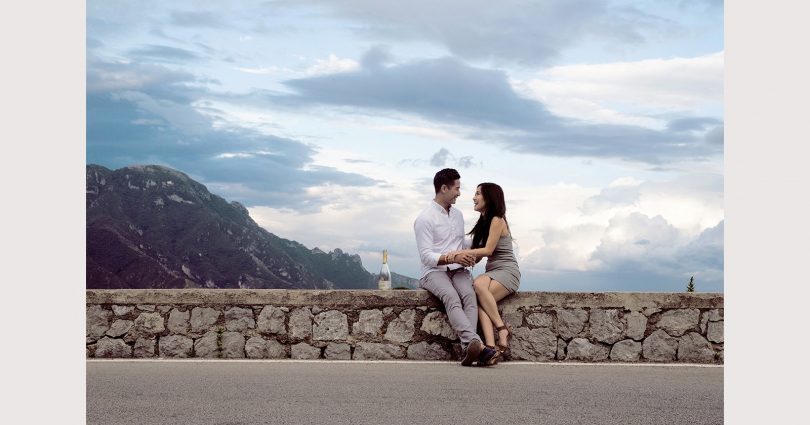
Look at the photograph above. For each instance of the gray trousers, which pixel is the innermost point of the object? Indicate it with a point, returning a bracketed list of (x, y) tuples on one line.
[(455, 290)]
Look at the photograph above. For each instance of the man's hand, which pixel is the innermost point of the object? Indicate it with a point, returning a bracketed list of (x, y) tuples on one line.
[(460, 257)]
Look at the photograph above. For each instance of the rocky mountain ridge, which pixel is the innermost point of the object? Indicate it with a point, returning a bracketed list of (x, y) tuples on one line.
[(152, 226)]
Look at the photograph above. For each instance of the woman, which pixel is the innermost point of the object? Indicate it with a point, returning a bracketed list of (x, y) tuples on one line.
[(491, 238)]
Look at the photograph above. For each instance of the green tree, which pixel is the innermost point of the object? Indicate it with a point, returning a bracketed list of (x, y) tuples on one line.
[(690, 287)]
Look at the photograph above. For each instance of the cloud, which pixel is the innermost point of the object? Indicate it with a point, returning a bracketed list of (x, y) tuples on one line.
[(451, 92), (332, 65), (527, 33), (150, 114), (439, 158), (649, 235), (198, 19), (646, 91), (167, 54)]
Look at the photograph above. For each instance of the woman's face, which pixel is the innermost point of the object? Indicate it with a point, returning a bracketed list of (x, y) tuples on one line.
[(478, 201)]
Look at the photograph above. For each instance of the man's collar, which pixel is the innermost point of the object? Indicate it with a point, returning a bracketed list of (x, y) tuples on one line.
[(440, 207)]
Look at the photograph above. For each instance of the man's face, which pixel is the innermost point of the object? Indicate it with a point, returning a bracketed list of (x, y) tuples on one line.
[(453, 191)]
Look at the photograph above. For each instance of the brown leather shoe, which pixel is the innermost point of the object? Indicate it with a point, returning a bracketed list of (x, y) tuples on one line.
[(471, 354)]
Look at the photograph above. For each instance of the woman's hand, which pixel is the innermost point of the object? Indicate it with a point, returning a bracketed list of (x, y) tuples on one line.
[(463, 257)]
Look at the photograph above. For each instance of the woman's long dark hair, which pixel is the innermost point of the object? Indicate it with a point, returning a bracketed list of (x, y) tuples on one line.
[(495, 207)]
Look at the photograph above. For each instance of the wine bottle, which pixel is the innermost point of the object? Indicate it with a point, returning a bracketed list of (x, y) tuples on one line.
[(384, 278)]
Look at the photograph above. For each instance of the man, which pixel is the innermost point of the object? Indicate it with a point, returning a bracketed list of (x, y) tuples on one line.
[(439, 230)]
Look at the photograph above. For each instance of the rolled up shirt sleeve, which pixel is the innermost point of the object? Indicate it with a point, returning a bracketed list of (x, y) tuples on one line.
[(424, 242)]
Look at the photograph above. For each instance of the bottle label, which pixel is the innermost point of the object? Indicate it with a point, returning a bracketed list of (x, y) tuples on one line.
[(384, 284)]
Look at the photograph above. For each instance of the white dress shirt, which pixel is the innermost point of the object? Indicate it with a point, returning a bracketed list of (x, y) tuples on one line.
[(438, 232)]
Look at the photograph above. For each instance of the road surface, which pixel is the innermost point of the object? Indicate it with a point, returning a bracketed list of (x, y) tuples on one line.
[(229, 392)]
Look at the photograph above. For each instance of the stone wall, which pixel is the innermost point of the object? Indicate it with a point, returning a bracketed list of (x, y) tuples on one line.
[(379, 325)]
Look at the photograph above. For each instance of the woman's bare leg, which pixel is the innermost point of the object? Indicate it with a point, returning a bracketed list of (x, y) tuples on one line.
[(489, 292), (499, 292), (486, 328)]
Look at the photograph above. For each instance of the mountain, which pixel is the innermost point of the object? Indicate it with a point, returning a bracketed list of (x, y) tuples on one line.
[(154, 227)]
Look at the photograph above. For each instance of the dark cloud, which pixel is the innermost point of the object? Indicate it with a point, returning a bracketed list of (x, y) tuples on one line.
[(148, 117), (693, 123), (439, 158), (160, 53), (198, 19), (450, 91), (465, 162), (716, 136)]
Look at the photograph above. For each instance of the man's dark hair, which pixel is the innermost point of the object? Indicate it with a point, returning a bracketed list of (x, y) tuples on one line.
[(445, 177)]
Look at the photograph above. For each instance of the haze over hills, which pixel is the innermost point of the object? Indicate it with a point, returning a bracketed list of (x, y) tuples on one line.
[(154, 227)]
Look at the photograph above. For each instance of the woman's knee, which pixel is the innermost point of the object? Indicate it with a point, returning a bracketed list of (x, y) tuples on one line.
[(481, 283)]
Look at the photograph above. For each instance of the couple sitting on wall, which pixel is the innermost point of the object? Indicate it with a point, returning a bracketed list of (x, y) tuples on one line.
[(445, 255)]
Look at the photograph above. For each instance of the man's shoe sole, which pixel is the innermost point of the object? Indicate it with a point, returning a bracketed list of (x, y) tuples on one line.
[(473, 350)]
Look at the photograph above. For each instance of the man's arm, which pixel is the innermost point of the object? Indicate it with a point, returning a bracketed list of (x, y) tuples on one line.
[(424, 243)]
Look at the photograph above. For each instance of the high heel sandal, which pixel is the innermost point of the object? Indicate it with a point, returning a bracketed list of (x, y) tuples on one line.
[(501, 346)]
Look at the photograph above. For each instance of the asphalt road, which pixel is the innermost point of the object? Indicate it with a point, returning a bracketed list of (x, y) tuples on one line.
[(289, 392)]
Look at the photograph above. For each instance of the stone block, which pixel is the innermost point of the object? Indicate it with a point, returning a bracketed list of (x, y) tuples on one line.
[(113, 348), (627, 350), (427, 351), (260, 348), (300, 323), (636, 325), (369, 323), (239, 319), (271, 321), (305, 351), (649, 311), (163, 309), (97, 321), (144, 347), (122, 310), (207, 346), (660, 347), (377, 351), (203, 318), (570, 322), (715, 315), (606, 325), (540, 320), (175, 346), (692, 347), (338, 351), (514, 318), (178, 321), (233, 345), (402, 328), (534, 344), (119, 328), (330, 325), (149, 324), (714, 332), (275, 350), (678, 321), (582, 349), (436, 323), (146, 307)]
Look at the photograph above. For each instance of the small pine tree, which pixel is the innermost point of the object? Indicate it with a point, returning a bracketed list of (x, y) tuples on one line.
[(691, 286)]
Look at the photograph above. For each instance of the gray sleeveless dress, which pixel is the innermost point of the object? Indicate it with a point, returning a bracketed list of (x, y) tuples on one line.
[(502, 265)]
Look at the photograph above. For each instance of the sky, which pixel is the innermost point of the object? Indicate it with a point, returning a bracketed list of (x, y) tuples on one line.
[(601, 120)]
